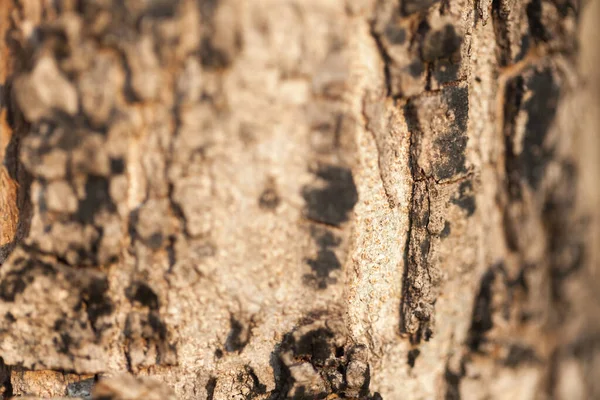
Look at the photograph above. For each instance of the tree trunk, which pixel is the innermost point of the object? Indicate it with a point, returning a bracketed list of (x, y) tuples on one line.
[(299, 199)]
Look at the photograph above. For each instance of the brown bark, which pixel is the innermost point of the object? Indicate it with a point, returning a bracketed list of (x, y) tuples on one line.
[(299, 199)]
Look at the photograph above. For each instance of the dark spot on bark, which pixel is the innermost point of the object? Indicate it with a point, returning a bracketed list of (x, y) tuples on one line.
[(9, 317), (157, 325), (63, 343), (219, 353), (412, 122), (6, 389), (326, 261), (316, 346), (117, 165), (481, 319), (452, 143), (17, 280), (525, 46), (134, 218), (20, 260), (15, 121), (43, 209), (416, 68), (128, 329), (269, 199), (510, 229), (428, 334), (210, 388), (324, 237), (238, 336), (364, 389), (453, 383), (281, 372), (513, 97), (445, 71), (60, 324), (519, 354), (155, 241), (501, 25), (143, 294), (64, 131), (525, 316), (55, 38), (394, 33), (11, 286), (412, 357), (540, 109), (534, 17), (424, 246), (97, 302), (97, 198), (161, 9), (446, 231), (457, 98), (565, 235), (569, 258), (332, 203), (586, 346), (413, 6), (171, 254), (440, 44), (465, 198), (339, 351), (257, 387), (212, 57)]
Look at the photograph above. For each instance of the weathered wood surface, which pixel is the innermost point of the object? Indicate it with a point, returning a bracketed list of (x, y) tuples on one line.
[(299, 199)]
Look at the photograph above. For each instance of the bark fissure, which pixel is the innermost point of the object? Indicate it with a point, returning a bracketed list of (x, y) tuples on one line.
[(442, 168)]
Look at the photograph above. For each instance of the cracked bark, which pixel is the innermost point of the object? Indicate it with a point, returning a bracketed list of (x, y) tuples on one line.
[(300, 199)]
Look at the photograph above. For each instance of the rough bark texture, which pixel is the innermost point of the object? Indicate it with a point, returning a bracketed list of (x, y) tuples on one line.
[(298, 199)]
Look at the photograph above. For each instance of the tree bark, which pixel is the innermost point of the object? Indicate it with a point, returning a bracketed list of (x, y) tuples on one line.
[(285, 199)]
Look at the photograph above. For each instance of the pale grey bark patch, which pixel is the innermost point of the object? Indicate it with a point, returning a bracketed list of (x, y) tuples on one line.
[(81, 389)]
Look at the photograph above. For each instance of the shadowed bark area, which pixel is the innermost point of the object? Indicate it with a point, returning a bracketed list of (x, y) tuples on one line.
[(351, 199)]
